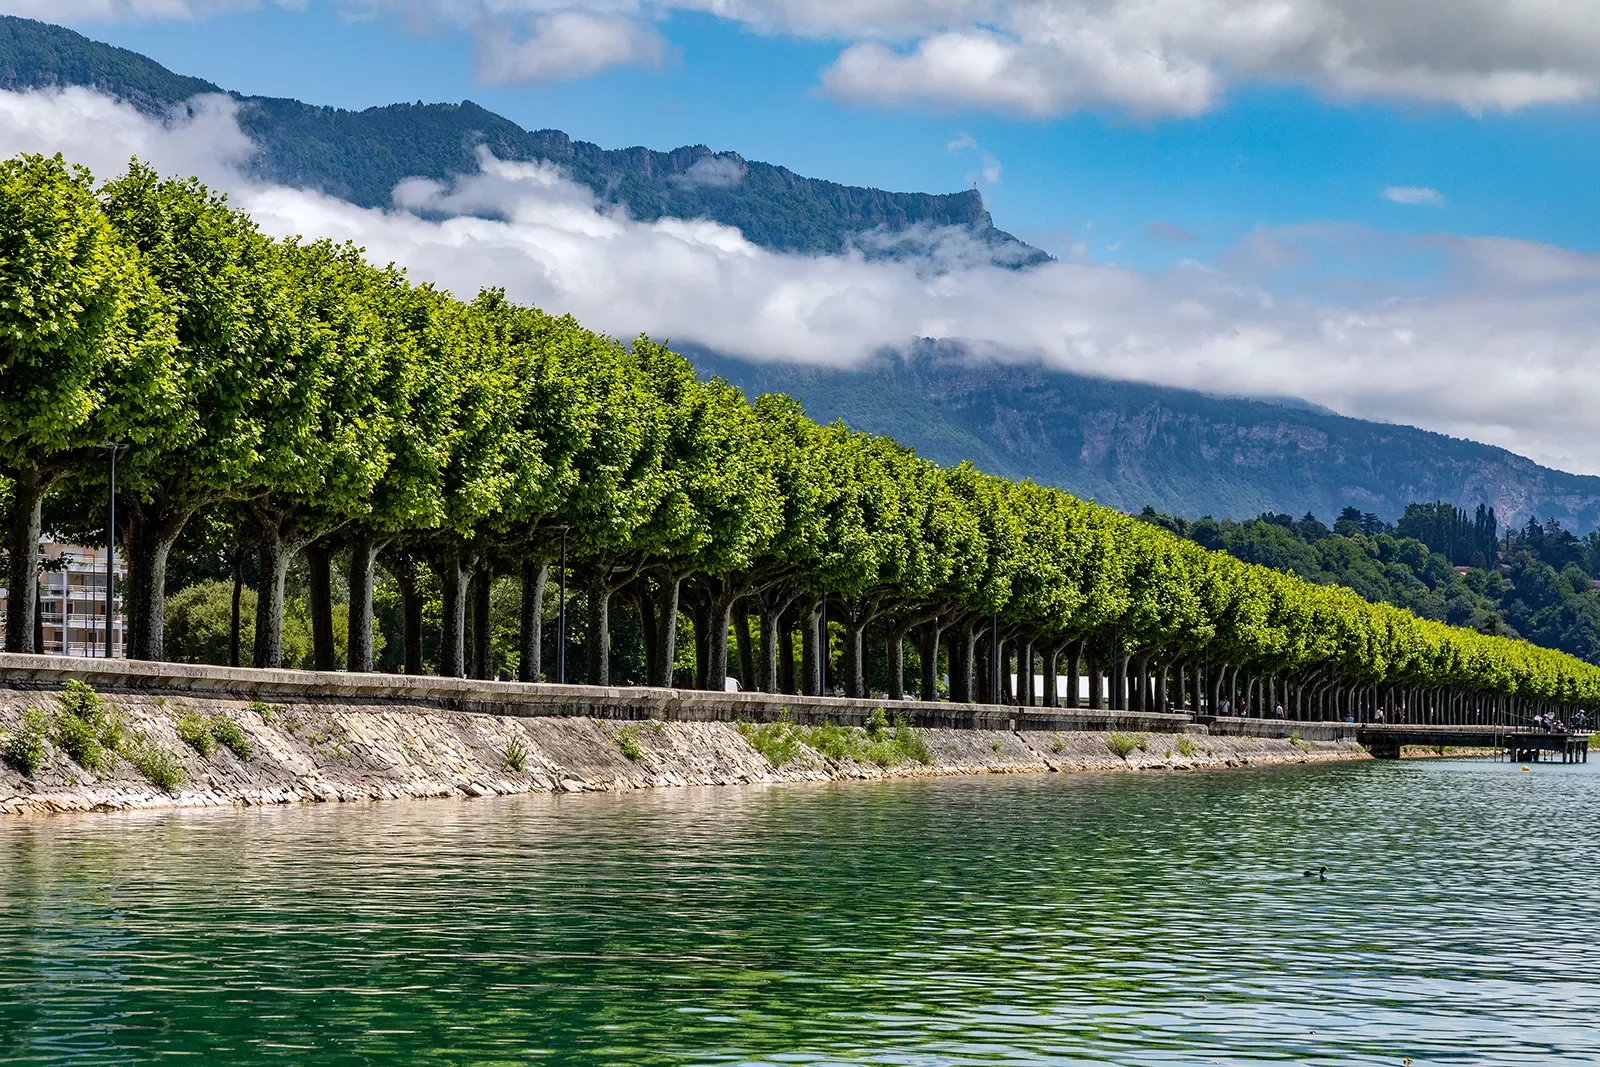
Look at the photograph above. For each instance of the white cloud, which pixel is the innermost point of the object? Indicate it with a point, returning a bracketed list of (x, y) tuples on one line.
[(988, 165), (1414, 194), (76, 11), (1152, 57), (1508, 351), (1044, 57), (714, 172), (565, 44)]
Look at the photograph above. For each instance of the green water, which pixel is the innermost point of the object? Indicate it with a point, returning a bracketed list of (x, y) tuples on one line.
[(1127, 919)]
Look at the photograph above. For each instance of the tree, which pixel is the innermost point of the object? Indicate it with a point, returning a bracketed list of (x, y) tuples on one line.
[(86, 341), (216, 268)]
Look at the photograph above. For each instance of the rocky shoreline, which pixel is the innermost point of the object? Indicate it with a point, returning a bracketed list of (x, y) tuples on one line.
[(321, 750)]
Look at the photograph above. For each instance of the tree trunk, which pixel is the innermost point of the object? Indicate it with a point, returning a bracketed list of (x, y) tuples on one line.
[(770, 680), (319, 601), (645, 600), (599, 628), (718, 618), (1052, 667), (701, 614), (928, 653), (855, 659), (1097, 695), (236, 621), (962, 665), (811, 649), (482, 639), (666, 630), (146, 544), (530, 638), (1074, 671), (410, 620), (22, 550), (453, 618), (277, 553), (358, 641), (894, 646), (1141, 683), (786, 681), (983, 659), (747, 653)]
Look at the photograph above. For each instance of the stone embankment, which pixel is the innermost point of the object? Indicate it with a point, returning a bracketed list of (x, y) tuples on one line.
[(324, 737)]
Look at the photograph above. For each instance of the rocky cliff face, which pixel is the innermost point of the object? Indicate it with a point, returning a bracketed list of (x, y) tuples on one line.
[(1128, 445)]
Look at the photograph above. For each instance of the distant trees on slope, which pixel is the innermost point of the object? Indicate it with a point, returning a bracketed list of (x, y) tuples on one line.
[(1535, 582), (289, 396)]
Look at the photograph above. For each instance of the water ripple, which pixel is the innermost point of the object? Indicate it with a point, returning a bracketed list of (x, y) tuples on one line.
[(1127, 919)]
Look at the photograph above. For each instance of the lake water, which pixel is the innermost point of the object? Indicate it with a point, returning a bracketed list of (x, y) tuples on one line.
[(1117, 918)]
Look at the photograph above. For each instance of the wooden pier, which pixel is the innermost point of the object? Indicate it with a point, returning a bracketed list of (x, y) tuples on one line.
[(1521, 745)]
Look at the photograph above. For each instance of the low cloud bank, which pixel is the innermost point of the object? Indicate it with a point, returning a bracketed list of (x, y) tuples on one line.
[(1503, 347)]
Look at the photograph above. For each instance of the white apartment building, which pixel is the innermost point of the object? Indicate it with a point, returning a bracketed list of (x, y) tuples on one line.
[(72, 601)]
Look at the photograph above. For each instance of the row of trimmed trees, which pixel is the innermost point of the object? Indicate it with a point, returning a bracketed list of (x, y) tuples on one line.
[(349, 412)]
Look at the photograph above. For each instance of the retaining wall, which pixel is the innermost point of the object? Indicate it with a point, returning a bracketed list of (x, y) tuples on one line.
[(336, 736)]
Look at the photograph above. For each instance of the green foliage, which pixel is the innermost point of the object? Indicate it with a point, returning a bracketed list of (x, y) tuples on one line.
[(470, 433), (1121, 745), (630, 745), (778, 742), (516, 755), (28, 745), (877, 723), (194, 730), (271, 714), (885, 748), (157, 764), (203, 733), (88, 729), (232, 736), (1186, 746)]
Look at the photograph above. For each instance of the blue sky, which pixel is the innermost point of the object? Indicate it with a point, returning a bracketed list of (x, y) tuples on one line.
[(1270, 153)]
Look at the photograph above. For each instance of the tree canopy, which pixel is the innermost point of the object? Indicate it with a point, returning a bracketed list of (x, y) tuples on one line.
[(336, 403)]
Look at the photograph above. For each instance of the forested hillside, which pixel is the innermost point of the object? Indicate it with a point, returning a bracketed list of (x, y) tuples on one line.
[(361, 155), (1128, 445), (1537, 582)]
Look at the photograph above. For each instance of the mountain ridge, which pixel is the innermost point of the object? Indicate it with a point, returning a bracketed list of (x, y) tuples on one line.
[(361, 155), (1131, 444)]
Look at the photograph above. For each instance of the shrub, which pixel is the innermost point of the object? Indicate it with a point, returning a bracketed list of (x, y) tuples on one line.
[(877, 723), (27, 746), (232, 736), (1186, 746), (1144, 743), (829, 739), (516, 755), (1121, 744), (889, 749), (270, 713), (161, 767), (195, 731), (776, 741), (628, 742), (88, 729), (911, 743)]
